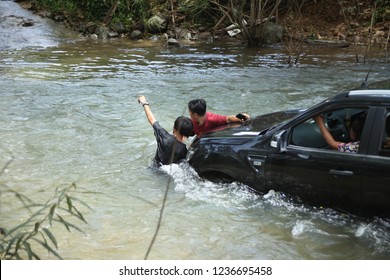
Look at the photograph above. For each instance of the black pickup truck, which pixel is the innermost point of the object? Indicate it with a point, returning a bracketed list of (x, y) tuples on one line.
[(286, 152)]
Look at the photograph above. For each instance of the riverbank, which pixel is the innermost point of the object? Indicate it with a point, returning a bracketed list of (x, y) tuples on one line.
[(323, 21)]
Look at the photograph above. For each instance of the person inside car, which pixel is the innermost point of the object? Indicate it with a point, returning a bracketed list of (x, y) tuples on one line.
[(170, 148), (354, 134), (204, 121)]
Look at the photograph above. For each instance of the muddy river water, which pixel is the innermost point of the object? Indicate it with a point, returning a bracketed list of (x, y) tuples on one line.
[(69, 114)]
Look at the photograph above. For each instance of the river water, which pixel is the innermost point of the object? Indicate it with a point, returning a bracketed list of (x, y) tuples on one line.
[(69, 114)]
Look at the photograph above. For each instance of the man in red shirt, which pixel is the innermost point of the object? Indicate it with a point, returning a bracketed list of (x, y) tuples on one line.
[(205, 121)]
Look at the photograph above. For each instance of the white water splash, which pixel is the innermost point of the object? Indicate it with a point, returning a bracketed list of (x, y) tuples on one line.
[(229, 195)]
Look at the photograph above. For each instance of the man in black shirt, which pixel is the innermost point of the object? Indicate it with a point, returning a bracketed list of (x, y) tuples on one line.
[(170, 148)]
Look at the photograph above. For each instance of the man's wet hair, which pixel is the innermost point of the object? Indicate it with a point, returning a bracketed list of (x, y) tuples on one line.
[(197, 106), (184, 126)]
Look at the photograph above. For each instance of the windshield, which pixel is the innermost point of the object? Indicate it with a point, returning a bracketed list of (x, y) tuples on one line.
[(266, 122)]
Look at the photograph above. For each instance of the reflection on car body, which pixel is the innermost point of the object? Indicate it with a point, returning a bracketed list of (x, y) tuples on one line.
[(285, 151)]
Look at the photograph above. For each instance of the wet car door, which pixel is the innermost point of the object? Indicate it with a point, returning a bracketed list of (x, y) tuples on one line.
[(308, 169), (375, 174)]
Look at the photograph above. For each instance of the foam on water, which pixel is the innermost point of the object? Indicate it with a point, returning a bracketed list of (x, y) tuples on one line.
[(306, 222), (233, 195)]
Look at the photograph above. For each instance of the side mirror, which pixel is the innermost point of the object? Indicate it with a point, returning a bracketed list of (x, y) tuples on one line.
[(278, 141)]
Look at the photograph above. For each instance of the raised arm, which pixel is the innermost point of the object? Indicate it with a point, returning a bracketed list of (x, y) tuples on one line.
[(148, 111), (325, 132)]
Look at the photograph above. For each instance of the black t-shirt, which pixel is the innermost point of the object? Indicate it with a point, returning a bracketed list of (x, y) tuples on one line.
[(165, 144)]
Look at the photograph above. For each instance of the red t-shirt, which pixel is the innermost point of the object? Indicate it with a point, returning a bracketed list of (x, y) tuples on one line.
[(211, 121)]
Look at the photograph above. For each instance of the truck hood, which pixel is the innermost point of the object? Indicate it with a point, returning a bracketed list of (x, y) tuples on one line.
[(240, 133)]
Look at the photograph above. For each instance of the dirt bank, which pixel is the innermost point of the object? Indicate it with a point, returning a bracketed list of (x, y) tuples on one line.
[(331, 21), (318, 20)]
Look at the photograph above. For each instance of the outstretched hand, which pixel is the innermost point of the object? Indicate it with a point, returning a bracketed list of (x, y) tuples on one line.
[(148, 111), (141, 99), (246, 117)]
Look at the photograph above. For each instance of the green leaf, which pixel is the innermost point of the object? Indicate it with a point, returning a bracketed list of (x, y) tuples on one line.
[(17, 256), (19, 242), (73, 185), (61, 193), (69, 202), (17, 239), (36, 256), (51, 213), (10, 243), (62, 221), (81, 202), (29, 251), (51, 237), (79, 215), (50, 249), (24, 199), (36, 227), (68, 225)]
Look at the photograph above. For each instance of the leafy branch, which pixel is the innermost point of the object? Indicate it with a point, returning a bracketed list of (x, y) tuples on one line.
[(21, 241)]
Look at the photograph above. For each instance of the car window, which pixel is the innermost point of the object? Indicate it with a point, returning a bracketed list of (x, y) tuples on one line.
[(338, 122), (307, 134), (385, 143)]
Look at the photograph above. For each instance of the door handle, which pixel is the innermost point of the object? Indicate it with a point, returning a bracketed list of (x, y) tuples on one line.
[(341, 172), (302, 156)]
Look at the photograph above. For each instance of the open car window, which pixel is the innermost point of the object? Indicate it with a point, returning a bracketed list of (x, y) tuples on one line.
[(307, 134), (338, 122)]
